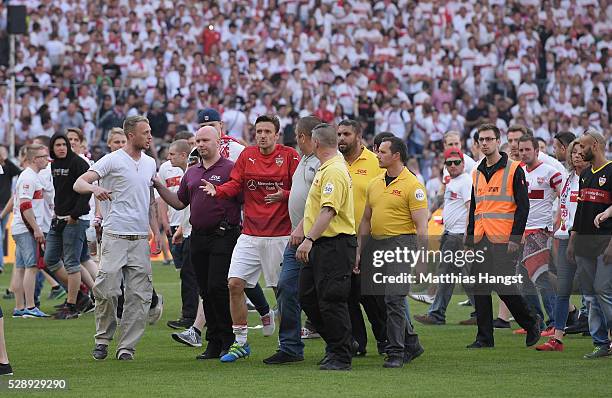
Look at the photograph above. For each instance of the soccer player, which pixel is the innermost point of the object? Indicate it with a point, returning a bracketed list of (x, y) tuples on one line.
[(263, 174), (544, 186), (126, 182)]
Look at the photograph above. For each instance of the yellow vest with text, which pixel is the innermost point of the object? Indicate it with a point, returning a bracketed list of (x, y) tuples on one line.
[(495, 205)]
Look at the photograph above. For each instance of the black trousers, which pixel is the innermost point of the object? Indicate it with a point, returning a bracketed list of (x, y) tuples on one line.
[(210, 257), (376, 311), (190, 292), (324, 288), (498, 262)]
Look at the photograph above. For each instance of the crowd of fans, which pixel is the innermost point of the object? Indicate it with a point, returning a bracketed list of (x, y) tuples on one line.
[(415, 68)]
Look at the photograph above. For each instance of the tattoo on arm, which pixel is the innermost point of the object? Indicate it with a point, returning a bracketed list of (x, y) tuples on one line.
[(152, 205)]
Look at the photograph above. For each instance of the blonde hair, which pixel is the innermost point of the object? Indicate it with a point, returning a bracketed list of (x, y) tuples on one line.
[(130, 123), (114, 131)]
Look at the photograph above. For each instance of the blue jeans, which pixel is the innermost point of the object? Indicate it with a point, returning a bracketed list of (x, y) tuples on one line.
[(596, 284), (565, 281), (437, 309), (3, 222), (69, 243), (289, 305), (544, 286), (176, 250)]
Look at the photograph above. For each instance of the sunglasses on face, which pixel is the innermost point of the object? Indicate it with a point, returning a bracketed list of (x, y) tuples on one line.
[(453, 162)]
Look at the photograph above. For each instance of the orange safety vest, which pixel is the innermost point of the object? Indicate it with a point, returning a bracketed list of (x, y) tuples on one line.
[(495, 205)]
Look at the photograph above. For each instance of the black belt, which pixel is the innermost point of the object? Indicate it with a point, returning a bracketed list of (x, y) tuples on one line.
[(212, 231)]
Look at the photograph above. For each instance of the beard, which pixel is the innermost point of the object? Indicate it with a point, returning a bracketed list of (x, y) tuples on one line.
[(587, 155)]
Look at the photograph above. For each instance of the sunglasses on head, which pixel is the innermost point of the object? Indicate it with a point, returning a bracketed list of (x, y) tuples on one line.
[(451, 162)]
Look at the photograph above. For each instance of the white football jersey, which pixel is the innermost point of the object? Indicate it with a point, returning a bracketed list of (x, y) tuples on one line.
[(542, 183), (171, 177)]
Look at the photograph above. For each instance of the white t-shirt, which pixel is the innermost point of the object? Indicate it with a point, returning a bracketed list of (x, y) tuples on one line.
[(458, 192), (171, 177), (542, 183), (130, 183), (568, 203), (234, 122), (29, 187)]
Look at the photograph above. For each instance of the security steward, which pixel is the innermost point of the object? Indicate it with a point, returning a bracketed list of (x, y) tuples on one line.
[(215, 230), (498, 213), (363, 167), (395, 216), (329, 250)]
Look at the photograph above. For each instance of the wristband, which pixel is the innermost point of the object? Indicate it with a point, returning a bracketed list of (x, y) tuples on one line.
[(309, 238)]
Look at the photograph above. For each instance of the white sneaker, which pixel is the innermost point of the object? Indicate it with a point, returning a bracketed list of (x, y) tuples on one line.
[(269, 325), (156, 312), (188, 337), (465, 303), (423, 298)]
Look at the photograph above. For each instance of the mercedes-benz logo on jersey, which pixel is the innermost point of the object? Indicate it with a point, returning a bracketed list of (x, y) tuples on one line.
[(252, 185)]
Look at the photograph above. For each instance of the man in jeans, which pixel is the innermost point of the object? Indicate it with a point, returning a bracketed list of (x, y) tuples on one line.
[(590, 247), (66, 237), (457, 197), (291, 347)]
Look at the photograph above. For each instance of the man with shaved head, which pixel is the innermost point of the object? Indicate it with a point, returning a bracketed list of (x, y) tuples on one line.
[(214, 233)]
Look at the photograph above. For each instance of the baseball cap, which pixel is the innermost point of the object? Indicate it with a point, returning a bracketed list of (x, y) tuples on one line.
[(453, 153), (208, 115)]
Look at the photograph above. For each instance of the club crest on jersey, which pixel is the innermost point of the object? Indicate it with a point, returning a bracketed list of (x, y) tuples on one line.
[(279, 161), (541, 180), (602, 181)]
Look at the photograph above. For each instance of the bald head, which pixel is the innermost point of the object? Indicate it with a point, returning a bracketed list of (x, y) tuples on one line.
[(207, 142)]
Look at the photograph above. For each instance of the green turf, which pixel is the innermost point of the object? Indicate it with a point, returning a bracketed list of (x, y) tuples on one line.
[(53, 349)]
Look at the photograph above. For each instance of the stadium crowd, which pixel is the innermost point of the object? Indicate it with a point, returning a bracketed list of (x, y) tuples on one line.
[(418, 70)]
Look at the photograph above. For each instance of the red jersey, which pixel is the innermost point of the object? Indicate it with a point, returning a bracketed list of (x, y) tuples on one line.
[(255, 175)]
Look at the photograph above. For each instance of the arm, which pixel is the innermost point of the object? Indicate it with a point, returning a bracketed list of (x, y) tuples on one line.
[(25, 206), (320, 225), (8, 208), (84, 184), (364, 227), (81, 206), (232, 187), (521, 198), (162, 209), (599, 219), (469, 233)]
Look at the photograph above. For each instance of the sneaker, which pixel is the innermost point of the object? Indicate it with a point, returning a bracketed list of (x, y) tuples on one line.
[(34, 313), (181, 323), (600, 351), (427, 319), (56, 293), (60, 306), (332, 364), (66, 313), (8, 295), (469, 322), (18, 313), (551, 345), (465, 303), (156, 312), (167, 262), (581, 325), (100, 352), (393, 362), (548, 332), (83, 302), (281, 357), (519, 331), (125, 356), (306, 333), (501, 324), (422, 298), (269, 325), (236, 352), (188, 337), (5, 369), (251, 307), (478, 344)]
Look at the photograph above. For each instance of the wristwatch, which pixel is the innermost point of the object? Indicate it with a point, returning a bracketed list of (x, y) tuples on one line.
[(309, 238)]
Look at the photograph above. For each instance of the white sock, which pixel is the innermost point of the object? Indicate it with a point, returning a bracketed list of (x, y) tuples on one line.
[(240, 331)]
